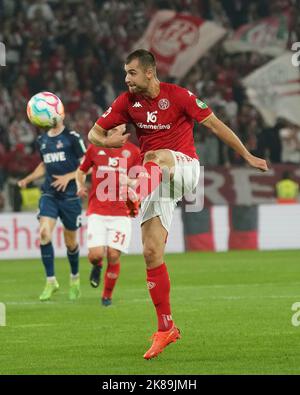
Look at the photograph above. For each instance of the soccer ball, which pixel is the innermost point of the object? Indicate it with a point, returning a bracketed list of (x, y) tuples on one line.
[(45, 110)]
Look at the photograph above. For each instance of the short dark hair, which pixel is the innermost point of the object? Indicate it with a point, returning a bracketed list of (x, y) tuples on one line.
[(145, 58)]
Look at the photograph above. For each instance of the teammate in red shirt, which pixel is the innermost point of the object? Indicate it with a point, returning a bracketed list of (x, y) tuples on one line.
[(109, 227), (163, 115)]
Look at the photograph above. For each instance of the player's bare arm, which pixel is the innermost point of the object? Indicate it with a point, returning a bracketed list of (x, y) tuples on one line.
[(98, 136), (80, 183), (37, 173), (231, 139)]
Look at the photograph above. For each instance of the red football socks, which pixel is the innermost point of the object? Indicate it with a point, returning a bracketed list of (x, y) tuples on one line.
[(110, 279), (158, 283)]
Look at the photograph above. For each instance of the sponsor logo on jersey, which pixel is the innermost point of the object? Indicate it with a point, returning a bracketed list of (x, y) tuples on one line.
[(137, 104), (108, 169), (201, 104), (126, 153), (54, 157), (153, 127), (101, 152), (163, 104), (152, 117), (59, 144)]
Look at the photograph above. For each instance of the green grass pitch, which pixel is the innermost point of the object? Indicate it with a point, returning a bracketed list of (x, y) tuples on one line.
[(233, 309)]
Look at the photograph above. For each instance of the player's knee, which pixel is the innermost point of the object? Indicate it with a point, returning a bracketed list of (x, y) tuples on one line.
[(71, 245), (160, 157), (151, 253), (151, 156), (113, 256), (95, 256), (45, 236)]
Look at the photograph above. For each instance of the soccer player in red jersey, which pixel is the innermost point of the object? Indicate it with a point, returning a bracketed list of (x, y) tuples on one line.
[(163, 115), (109, 225)]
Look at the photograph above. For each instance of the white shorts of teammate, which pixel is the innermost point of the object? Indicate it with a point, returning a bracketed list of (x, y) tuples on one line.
[(109, 230), (159, 202)]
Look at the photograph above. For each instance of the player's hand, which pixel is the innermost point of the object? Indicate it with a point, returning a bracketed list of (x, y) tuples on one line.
[(116, 140), (23, 183), (82, 191), (61, 182), (256, 162)]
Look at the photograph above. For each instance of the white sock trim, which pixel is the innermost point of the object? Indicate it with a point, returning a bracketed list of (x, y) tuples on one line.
[(51, 279)]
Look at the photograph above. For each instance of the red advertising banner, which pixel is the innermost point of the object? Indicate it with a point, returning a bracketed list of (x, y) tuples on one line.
[(243, 186)]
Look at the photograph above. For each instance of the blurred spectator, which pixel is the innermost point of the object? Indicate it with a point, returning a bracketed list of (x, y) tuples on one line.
[(71, 96), (2, 201), (290, 141), (76, 50), (237, 11), (2, 155), (82, 121), (40, 10), (17, 164), (269, 143), (89, 106), (6, 108), (21, 132)]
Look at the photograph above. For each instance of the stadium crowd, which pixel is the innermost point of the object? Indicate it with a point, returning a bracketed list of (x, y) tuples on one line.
[(76, 49)]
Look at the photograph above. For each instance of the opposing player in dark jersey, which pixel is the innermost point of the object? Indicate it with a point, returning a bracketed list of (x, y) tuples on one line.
[(60, 150), (163, 115), (109, 225)]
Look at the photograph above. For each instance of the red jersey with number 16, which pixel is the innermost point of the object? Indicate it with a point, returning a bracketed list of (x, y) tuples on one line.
[(165, 122)]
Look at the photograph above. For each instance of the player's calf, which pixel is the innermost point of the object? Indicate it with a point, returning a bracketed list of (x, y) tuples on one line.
[(95, 257), (110, 280), (95, 276)]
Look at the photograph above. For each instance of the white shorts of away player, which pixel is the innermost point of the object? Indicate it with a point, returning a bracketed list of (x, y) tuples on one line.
[(109, 231), (185, 180)]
